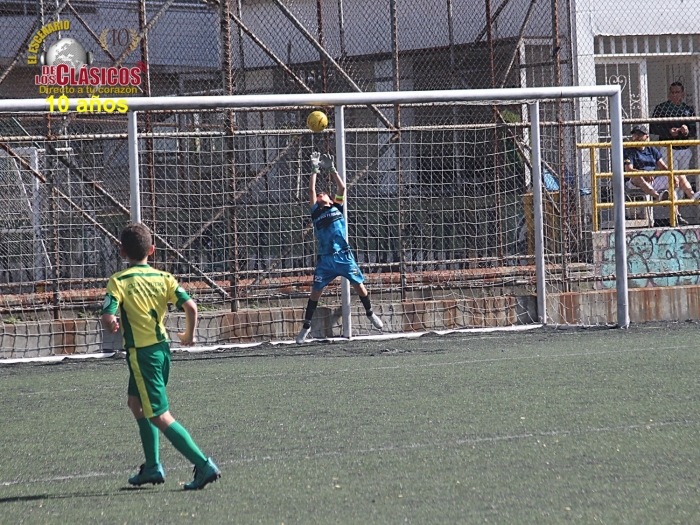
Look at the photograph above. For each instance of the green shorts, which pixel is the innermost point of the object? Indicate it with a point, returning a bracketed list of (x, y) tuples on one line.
[(149, 368)]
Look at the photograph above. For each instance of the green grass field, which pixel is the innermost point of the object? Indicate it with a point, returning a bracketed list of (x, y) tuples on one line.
[(546, 426)]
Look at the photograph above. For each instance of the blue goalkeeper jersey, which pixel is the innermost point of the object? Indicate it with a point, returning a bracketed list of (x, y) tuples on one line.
[(329, 225)]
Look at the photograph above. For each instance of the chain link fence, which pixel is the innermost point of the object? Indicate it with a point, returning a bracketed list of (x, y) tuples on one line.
[(230, 161)]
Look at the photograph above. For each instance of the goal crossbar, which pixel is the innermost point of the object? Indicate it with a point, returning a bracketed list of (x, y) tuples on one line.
[(332, 99)]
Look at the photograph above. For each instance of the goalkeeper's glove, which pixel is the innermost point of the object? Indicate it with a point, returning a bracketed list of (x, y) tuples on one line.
[(315, 160), (326, 162)]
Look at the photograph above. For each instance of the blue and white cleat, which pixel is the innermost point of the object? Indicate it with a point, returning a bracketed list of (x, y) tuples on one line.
[(207, 474), (154, 475)]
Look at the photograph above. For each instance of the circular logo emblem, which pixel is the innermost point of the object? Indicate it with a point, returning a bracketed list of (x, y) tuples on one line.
[(67, 51)]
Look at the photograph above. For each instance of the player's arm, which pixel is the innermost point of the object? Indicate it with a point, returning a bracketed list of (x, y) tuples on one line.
[(315, 163), (327, 162), (340, 187), (110, 322), (658, 128), (177, 295), (187, 338), (689, 129)]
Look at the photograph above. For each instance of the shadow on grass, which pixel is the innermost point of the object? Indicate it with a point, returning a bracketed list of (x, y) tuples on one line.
[(137, 489), (121, 491)]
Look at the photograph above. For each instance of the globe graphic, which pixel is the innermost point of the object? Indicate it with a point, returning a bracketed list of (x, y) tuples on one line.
[(66, 51)]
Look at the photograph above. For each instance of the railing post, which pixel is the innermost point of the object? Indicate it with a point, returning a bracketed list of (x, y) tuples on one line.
[(672, 213), (594, 187)]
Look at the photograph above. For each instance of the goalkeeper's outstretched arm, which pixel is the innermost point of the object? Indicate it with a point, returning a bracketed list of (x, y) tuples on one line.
[(312, 178), (327, 161), (312, 188), (339, 184)]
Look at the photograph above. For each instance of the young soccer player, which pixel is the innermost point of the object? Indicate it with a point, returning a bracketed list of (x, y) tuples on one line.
[(335, 258), (140, 294)]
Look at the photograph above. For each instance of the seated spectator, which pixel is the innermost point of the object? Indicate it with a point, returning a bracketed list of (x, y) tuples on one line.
[(649, 158)]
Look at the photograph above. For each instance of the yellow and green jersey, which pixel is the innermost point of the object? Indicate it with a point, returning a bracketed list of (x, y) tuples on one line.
[(140, 295)]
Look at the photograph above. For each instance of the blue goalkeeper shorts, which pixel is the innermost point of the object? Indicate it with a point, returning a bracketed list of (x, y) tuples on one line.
[(339, 264)]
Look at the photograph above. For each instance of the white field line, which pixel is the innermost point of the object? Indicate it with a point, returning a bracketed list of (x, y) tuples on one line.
[(475, 440), (198, 349), (54, 358)]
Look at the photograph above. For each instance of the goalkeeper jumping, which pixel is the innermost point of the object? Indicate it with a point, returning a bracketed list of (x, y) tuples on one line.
[(335, 258)]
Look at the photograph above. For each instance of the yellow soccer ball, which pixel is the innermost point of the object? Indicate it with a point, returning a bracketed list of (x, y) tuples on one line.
[(317, 121)]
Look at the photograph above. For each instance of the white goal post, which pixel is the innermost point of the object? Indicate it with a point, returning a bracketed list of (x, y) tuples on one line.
[(339, 101)]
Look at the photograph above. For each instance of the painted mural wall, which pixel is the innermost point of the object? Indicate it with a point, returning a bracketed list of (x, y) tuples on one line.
[(651, 250)]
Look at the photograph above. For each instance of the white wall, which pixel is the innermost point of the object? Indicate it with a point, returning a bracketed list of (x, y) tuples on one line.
[(644, 17)]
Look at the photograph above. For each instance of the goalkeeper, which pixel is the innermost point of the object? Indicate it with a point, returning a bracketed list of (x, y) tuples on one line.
[(335, 258), (140, 294)]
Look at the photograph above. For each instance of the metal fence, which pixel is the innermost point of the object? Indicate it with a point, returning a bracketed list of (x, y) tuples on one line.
[(466, 161), (438, 234)]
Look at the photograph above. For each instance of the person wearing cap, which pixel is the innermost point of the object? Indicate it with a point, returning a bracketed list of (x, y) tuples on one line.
[(677, 130), (649, 158)]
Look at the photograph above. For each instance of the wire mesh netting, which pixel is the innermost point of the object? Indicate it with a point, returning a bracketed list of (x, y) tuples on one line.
[(442, 194), (435, 217)]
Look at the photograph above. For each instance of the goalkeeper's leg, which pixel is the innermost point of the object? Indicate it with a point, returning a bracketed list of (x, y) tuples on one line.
[(364, 297), (308, 315)]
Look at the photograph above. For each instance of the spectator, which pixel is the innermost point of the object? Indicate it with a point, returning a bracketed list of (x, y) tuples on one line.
[(678, 130), (648, 158)]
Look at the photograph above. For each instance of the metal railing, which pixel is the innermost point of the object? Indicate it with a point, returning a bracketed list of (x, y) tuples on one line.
[(672, 202)]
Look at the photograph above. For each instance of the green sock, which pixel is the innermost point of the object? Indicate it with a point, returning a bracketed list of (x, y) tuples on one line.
[(149, 440), (182, 441)]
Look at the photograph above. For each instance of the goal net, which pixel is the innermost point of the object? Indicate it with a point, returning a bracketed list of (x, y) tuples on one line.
[(442, 218)]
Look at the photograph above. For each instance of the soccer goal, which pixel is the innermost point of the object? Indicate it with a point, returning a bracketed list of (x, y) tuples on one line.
[(450, 212)]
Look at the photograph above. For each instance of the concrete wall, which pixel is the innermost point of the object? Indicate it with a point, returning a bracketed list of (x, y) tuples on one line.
[(643, 17), (673, 303), (183, 37), (86, 335), (651, 250), (79, 336), (188, 36)]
